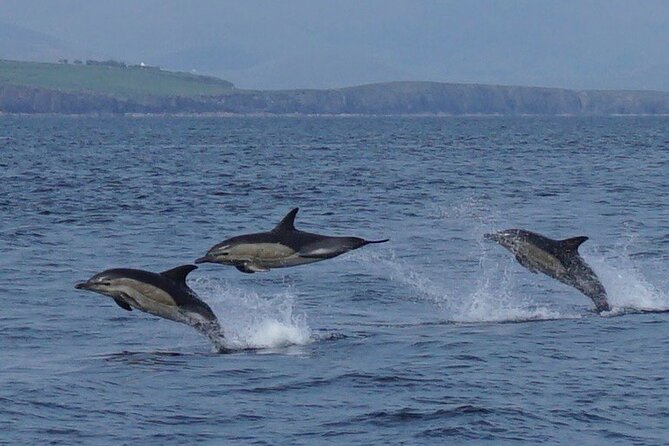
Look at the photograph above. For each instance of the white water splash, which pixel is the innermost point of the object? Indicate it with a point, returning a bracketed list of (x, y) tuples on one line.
[(492, 299), (495, 300), (250, 321), (626, 286)]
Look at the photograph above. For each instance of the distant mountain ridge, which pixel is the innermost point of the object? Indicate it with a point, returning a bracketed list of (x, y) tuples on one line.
[(26, 44), (64, 88)]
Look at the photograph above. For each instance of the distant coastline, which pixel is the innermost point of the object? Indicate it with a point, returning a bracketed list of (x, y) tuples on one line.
[(110, 88)]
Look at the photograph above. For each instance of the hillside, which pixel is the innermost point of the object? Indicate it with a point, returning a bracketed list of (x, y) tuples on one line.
[(27, 87), (114, 80)]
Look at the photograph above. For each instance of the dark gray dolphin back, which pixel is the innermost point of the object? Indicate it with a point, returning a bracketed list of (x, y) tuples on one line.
[(307, 242), (559, 248), (310, 245)]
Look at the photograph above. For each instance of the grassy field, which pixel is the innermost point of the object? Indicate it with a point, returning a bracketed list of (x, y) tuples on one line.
[(128, 82)]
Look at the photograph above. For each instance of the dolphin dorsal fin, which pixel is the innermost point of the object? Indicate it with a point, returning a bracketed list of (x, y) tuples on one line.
[(179, 273), (571, 245), (288, 222)]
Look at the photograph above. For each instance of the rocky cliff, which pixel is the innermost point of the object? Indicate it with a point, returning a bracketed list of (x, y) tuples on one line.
[(396, 98)]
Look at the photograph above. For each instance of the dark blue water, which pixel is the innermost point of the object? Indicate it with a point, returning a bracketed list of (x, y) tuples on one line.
[(435, 337)]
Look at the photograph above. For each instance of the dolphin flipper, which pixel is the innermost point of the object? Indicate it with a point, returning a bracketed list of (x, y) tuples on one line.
[(250, 268), (123, 304), (523, 261)]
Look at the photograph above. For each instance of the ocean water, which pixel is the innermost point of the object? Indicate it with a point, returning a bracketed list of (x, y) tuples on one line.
[(437, 337)]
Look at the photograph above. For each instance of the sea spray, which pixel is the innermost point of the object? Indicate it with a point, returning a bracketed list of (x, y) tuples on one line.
[(250, 321), (492, 298), (626, 285)]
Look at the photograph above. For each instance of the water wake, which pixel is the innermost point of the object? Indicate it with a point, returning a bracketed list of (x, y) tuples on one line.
[(249, 321)]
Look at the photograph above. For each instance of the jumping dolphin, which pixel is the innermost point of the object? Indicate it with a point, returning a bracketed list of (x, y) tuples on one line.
[(281, 247), (558, 259), (163, 294)]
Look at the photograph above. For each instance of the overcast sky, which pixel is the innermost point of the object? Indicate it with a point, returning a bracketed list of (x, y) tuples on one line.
[(316, 44)]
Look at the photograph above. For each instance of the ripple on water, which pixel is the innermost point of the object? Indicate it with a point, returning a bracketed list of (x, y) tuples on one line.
[(434, 337)]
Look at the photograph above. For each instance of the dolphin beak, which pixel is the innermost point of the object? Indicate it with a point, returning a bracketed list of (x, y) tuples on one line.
[(82, 286), (493, 237), (204, 259)]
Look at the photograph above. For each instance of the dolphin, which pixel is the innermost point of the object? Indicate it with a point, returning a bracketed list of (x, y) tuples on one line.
[(164, 294), (281, 247), (558, 259)]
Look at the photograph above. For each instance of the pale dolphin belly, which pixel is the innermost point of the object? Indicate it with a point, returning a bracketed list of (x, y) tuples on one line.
[(263, 264), (153, 300), (264, 256), (143, 290), (254, 252), (277, 255), (543, 261)]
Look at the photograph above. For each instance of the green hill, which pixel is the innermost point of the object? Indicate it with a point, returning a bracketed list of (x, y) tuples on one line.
[(119, 81)]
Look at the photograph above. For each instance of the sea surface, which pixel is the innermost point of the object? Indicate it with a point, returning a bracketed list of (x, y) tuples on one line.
[(436, 337)]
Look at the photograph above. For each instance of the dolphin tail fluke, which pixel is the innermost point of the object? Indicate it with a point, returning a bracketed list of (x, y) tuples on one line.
[(601, 302), (594, 289), (212, 331)]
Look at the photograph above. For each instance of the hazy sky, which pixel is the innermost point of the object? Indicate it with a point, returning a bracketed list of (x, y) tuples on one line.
[(315, 44)]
